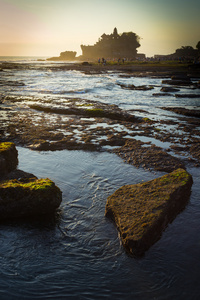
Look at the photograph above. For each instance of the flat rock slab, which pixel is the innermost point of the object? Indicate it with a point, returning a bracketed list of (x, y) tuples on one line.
[(142, 211), (28, 197)]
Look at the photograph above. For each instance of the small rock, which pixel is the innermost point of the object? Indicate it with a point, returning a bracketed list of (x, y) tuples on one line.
[(169, 89)]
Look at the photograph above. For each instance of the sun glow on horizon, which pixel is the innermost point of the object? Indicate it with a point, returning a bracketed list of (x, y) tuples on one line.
[(46, 28)]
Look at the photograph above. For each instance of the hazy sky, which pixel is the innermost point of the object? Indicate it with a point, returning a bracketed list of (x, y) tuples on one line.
[(48, 27)]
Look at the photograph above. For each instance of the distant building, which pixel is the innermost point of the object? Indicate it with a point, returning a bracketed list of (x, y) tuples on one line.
[(186, 53)]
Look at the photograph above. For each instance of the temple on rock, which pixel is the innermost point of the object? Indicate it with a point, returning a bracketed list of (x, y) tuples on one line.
[(113, 45)]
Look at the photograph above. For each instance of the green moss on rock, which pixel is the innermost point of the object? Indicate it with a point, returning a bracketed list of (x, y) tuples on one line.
[(32, 198), (142, 211), (5, 146)]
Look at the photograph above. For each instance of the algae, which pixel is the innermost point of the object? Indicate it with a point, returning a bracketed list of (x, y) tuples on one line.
[(142, 211), (40, 184), (4, 146)]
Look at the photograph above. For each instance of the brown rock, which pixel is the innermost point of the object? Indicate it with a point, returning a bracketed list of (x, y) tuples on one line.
[(28, 197), (142, 211), (8, 158)]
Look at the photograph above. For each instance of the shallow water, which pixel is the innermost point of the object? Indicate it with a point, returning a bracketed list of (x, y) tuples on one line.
[(79, 255)]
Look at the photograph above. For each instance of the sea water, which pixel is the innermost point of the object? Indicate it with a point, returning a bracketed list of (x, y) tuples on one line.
[(79, 255)]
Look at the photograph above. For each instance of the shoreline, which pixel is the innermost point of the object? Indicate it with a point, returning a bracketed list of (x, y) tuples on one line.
[(143, 68), (37, 134)]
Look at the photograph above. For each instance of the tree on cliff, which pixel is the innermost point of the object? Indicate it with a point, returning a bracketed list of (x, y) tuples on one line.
[(114, 45)]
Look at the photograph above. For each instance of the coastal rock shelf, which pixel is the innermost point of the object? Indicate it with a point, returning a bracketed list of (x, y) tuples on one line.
[(119, 111), (142, 211), (21, 193)]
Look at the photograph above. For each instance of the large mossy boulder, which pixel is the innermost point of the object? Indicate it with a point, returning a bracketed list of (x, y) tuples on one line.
[(142, 211), (28, 197), (8, 158)]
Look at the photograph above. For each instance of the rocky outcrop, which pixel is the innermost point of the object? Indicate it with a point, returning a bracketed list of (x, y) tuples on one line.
[(148, 156), (184, 111), (8, 158), (21, 193), (31, 197), (177, 82), (67, 55), (136, 88), (142, 211), (187, 95), (168, 89), (99, 110)]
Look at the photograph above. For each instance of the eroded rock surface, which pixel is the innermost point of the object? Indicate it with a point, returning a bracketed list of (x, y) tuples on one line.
[(142, 211), (149, 157)]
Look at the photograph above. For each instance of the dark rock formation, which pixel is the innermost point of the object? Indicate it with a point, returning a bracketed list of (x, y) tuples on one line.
[(184, 111), (67, 55), (86, 63), (187, 95), (168, 89), (180, 77), (8, 158), (24, 198), (21, 193), (100, 110), (161, 94), (139, 154), (177, 82), (137, 88), (142, 211)]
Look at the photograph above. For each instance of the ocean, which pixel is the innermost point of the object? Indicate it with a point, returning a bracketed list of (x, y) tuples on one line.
[(79, 255)]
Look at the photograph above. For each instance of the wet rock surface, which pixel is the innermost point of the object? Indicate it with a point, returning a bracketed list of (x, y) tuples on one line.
[(187, 95), (28, 197), (184, 111), (8, 158), (136, 88), (142, 211), (22, 194), (149, 157), (43, 124), (167, 89)]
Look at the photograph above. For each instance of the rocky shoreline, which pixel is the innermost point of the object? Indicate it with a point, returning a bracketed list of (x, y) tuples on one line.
[(95, 126), (75, 132)]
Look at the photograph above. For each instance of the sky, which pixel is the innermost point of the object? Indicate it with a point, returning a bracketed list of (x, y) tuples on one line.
[(48, 27)]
